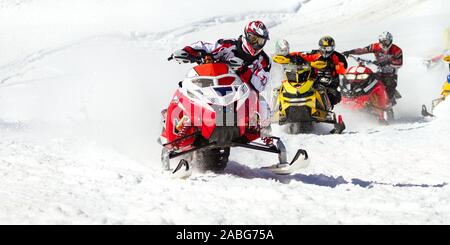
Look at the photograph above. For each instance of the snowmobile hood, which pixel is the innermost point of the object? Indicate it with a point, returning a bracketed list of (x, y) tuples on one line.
[(215, 70), (359, 70), (303, 88), (358, 74), (211, 69)]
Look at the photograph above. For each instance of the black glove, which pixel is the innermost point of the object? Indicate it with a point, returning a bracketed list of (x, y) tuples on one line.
[(382, 63), (347, 53), (241, 70), (386, 69)]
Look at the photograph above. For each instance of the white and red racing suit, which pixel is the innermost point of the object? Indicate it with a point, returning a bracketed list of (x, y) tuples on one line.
[(255, 69), (389, 61)]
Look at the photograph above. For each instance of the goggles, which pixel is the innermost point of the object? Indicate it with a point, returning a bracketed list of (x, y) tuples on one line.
[(385, 42), (327, 49), (255, 40)]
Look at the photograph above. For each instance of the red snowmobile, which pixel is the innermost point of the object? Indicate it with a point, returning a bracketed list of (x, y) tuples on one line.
[(362, 89), (211, 112)]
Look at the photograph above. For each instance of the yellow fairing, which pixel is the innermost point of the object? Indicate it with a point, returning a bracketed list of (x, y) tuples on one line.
[(447, 58), (290, 95), (445, 89), (294, 87), (281, 59), (319, 64)]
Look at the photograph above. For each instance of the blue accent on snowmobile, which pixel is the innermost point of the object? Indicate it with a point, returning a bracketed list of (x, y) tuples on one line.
[(222, 91)]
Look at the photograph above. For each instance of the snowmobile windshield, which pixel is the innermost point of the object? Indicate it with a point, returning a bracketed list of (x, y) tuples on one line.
[(222, 80), (203, 82), (298, 74), (219, 90)]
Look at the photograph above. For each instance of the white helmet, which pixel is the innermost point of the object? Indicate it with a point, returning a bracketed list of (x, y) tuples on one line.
[(385, 40), (282, 47)]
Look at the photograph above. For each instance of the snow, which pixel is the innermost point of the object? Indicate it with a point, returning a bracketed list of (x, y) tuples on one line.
[(82, 84)]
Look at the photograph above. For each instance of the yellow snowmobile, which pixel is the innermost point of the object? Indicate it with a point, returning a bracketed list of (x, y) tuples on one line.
[(300, 101), (444, 93)]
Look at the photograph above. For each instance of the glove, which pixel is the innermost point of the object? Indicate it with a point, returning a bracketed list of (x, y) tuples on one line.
[(324, 73), (347, 53), (325, 80), (182, 57), (386, 69), (245, 73), (236, 63), (382, 63)]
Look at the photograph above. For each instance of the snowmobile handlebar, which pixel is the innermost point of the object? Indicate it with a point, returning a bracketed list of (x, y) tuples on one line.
[(363, 61), (183, 57)]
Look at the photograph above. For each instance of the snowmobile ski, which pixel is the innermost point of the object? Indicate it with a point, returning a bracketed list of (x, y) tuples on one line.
[(182, 171), (339, 126), (425, 112), (289, 168)]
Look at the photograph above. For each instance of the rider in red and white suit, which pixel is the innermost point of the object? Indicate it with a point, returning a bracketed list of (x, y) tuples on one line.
[(253, 64), (389, 58), (255, 69)]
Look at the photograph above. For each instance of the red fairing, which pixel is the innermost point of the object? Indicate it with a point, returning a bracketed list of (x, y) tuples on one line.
[(359, 70), (211, 70), (195, 116), (377, 98), (381, 100), (174, 114)]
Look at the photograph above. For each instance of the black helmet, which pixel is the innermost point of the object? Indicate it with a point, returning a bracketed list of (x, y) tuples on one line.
[(326, 46)]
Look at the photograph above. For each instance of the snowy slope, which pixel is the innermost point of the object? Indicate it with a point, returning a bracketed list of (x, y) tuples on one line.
[(82, 84)]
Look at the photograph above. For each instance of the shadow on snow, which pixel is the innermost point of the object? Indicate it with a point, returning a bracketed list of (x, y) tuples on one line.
[(323, 180)]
